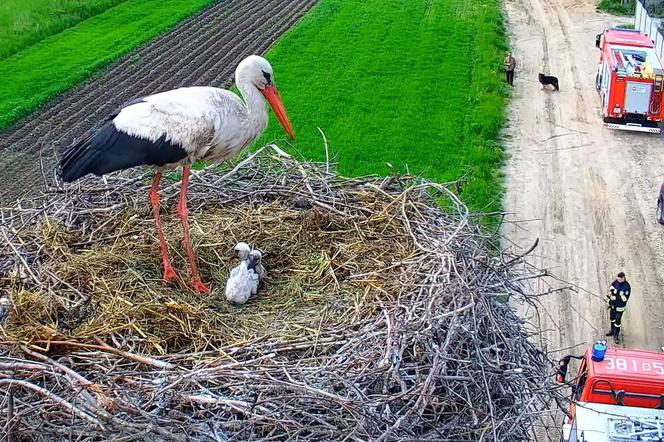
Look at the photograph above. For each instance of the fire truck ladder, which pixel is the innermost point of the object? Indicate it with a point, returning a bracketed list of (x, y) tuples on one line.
[(628, 430)]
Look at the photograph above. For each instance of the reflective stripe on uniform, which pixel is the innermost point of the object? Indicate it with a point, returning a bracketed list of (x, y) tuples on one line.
[(620, 309)]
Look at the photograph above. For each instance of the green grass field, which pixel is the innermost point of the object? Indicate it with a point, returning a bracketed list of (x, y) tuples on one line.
[(617, 7), (25, 22), (417, 83), (39, 72)]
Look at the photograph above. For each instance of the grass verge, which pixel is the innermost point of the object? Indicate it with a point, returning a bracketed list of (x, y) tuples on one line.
[(617, 7), (417, 83), (57, 63)]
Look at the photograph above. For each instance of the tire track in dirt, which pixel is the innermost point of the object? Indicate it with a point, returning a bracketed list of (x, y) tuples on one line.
[(589, 191), (556, 220), (202, 50)]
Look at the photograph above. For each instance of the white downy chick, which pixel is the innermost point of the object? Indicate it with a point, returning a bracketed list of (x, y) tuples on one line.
[(5, 308), (243, 281), (242, 250)]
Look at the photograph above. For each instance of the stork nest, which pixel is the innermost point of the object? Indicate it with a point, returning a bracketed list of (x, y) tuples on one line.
[(378, 318)]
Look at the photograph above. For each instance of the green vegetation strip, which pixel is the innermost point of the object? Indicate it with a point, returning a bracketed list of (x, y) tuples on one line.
[(617, 7), (416, 83), (57, 63), (25, 22)]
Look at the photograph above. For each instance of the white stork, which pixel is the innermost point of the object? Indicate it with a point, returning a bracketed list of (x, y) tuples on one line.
[(243, 281), (177, 128)]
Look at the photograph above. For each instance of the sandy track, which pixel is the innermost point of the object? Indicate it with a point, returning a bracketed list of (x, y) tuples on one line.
[(203, 50), (587, 192)]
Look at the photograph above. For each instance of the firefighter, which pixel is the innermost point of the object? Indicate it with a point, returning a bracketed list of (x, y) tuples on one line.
[(510, 65), (616, 300)]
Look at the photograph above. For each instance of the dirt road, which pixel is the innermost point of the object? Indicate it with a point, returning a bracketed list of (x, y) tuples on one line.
[(587, 192)]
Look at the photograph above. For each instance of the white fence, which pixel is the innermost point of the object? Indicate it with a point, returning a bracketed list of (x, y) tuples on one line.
[(648, 25)]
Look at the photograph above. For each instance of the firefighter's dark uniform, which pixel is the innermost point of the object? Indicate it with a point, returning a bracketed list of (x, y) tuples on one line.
[(617, 300)]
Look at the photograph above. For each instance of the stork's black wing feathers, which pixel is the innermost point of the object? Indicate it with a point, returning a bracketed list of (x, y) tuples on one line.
[(109, 149)]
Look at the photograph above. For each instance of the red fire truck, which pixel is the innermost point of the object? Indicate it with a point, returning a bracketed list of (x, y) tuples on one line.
[(617, 396), (630, 81)]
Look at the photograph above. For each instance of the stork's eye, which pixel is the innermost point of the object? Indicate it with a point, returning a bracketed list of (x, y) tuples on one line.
[(267, 77)]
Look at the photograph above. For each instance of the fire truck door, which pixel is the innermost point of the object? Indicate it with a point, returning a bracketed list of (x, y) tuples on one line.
[(637, 97)]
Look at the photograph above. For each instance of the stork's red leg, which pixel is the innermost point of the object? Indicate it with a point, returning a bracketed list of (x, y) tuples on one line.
[(195, 281), (169, 273)]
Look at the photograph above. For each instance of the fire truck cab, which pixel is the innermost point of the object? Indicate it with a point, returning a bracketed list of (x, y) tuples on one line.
[(617, 396), (630, 81)]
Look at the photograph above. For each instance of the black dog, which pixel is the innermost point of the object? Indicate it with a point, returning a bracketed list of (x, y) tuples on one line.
[(548, 79)]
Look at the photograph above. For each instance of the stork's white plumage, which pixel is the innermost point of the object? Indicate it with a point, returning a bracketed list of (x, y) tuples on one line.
[(177, 128), (244, 279)]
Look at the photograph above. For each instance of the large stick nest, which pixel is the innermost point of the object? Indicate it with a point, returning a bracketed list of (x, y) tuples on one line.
[(380, 318)]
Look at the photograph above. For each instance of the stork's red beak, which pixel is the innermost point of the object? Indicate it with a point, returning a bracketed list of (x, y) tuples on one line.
[(272, 96)]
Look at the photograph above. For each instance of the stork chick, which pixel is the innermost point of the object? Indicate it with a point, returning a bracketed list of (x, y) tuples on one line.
[(243, 282), (256, 255), (5, 308), (242, 250)]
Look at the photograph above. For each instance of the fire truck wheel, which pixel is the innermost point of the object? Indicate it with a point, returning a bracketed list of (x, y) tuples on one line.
[(660, 212)]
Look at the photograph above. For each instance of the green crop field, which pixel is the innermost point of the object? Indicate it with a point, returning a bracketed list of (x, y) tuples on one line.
[(417, 83), (56, 63), (25, 22)]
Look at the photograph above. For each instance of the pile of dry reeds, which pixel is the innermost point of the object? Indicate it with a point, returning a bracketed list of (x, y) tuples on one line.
[(380, 317)]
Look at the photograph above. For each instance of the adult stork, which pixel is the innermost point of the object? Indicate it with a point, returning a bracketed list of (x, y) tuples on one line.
[(177, 128)]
